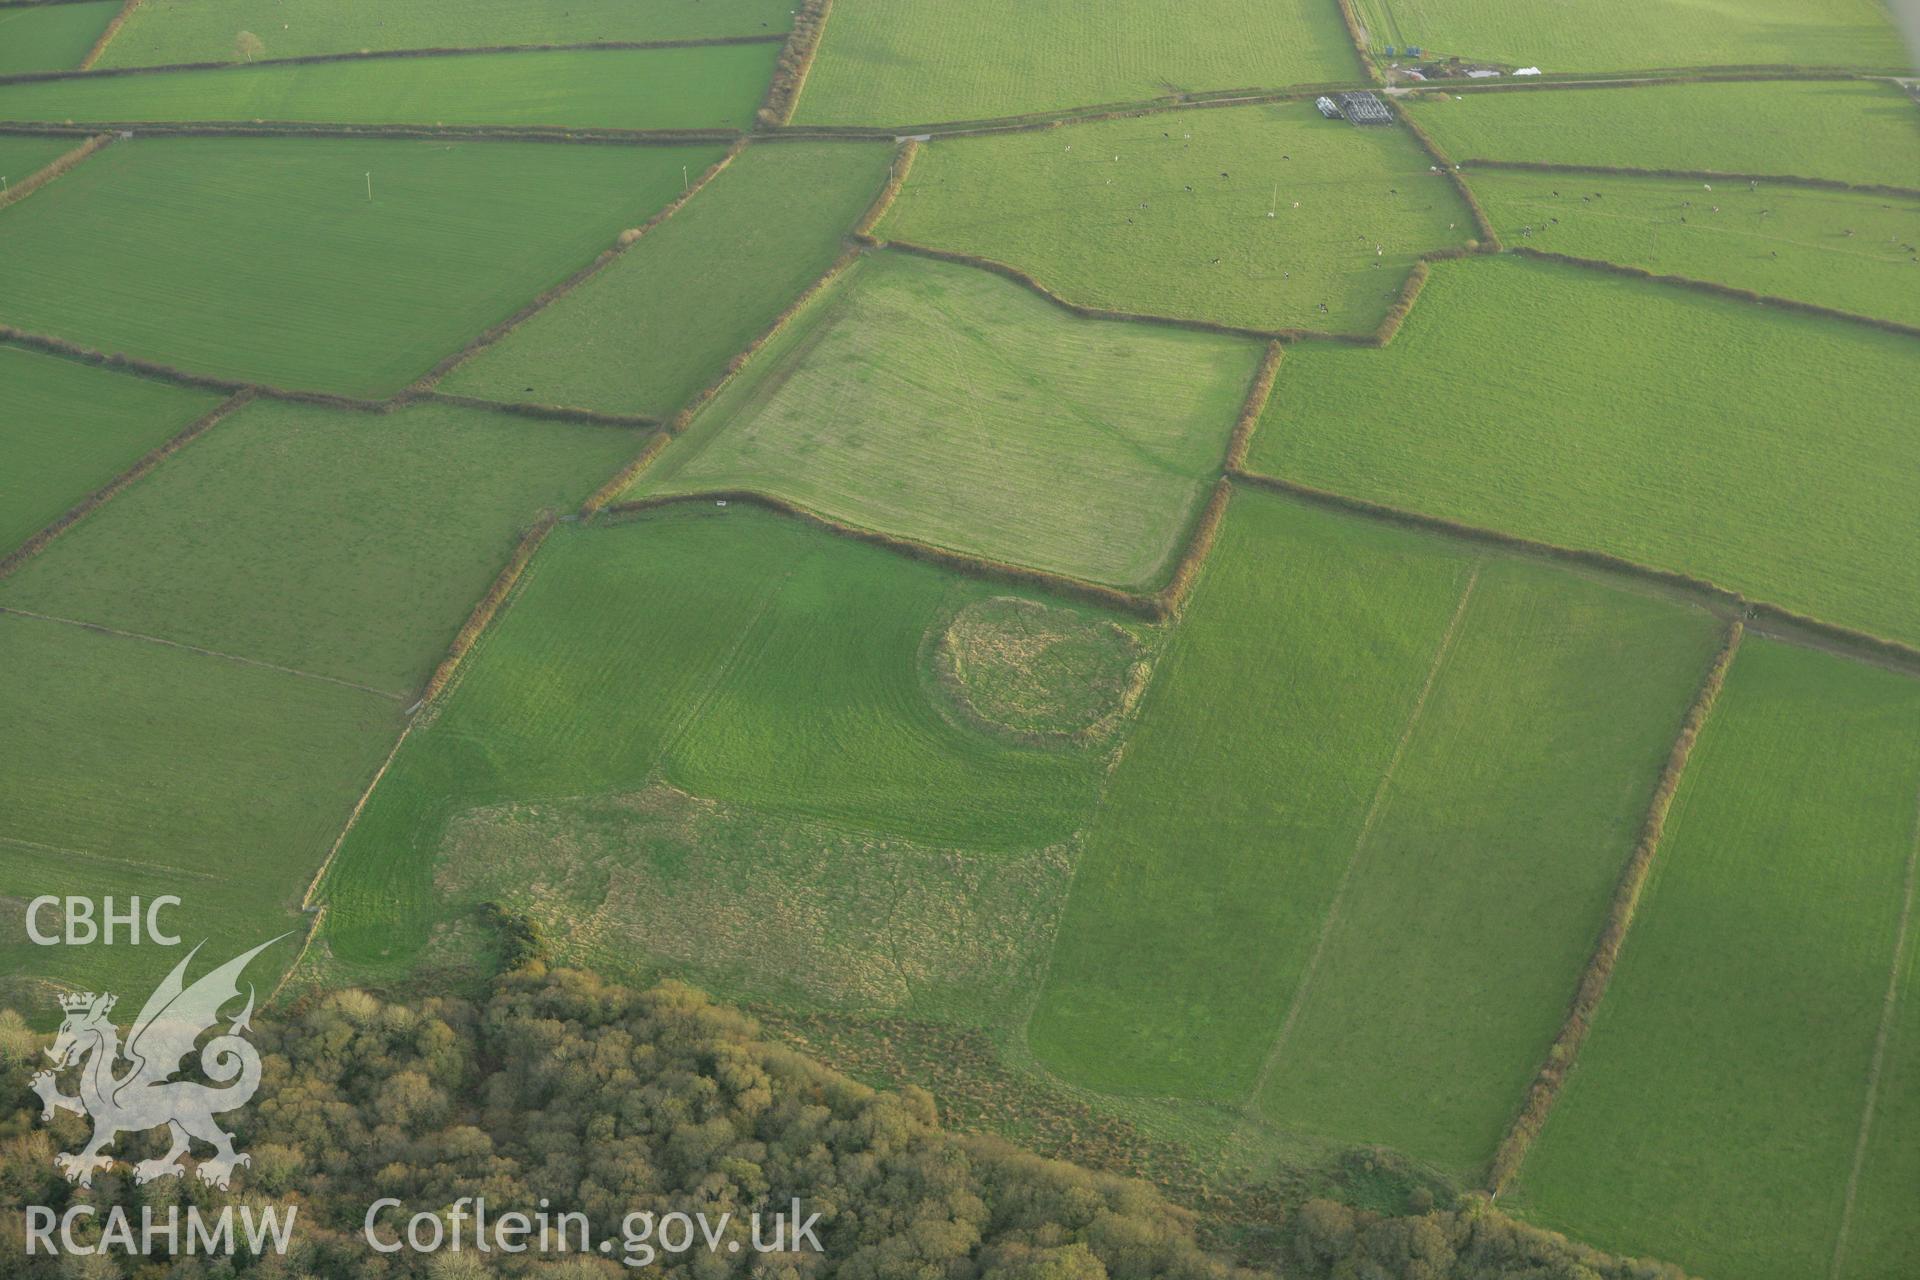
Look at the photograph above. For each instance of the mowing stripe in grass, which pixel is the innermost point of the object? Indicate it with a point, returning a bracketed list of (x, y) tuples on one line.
[(1332, 918), (1888, 1011)]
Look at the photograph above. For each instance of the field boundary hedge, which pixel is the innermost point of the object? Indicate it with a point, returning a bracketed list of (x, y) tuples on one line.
[(1697, 175), (52, 169), (582, 135), (903, 157), (107, 33), (483, 612), (1848, 641), (1258, 394), (795, 63), (553, 293), (1598, 974), (1488, 239), (1149, 607), (626, 475), (1358, 35), (375, 55), (528, 409), (1721, 290), (79, 511)]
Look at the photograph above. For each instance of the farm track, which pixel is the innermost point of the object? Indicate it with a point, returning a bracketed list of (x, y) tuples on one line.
[(1331, 920), (102, 629), (1889, 1010)]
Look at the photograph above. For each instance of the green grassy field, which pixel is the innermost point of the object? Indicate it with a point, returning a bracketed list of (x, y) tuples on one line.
[(648, 333), (1854, 252), (22, 156), (1642, 34), (1884, 1234), (1847, 131), (1209, 868), (1169, 215), (1331, 651), (266, 261), (347, 545), (138, 768), (169, 31), (1713, 1115), (733, 654), (1760, 449), (50, 37), (1526, 779), (68, 430), (705, 88), (946, 404), (897, 62)]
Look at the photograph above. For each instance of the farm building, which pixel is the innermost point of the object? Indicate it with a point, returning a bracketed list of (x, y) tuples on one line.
[(1365, 108), (1328, 107)]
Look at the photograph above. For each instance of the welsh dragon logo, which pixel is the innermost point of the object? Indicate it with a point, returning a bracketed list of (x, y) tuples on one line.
[(130, 1089)]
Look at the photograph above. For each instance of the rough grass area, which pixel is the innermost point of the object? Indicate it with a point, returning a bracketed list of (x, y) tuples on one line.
[(1526, 778), (1761, 449), (661, 323), (344, 544), (1845, 130), (1261, 217), (1039, 672), (67, 430), (50, 37), (740, 657), (1713, 1116), (1334, 653), (703, 88), (1858, 253), (762, 906), (943, 403), (266, 261), (917, 61), (135, 768), (169, 31), (1630, 35)]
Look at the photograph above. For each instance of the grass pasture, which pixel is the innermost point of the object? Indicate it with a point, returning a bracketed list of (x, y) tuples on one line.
[(265, 261), (1714, 1112), (1883, 1233), (135, 767), (1169, 214), (1837, 249), (1858, 131), (1634, 35), (946, 404), (899, 62), (348, 545), (741, 657), (68, 430), (1324, 648), (163, 32), (1763, 450), (661, 323), (21, 156), (50, 37), (701, 88)]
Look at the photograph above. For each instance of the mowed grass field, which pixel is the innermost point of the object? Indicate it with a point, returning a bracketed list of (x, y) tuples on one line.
[(161, 32), (1763, 450), (1642, 34), (347, 545), (1335, 653), (899, 62), (139, 768), (1250, 216), (701, 88), (1714, 1113), (946, 404), (265, 261), (1856, 131), (1855, 252), (1526, 778), (661, 323), (50, 37), (743, 657), (1883, 1233), (22, 156), (68, 429)]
